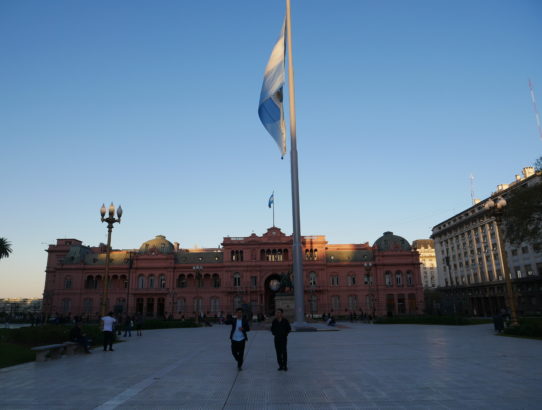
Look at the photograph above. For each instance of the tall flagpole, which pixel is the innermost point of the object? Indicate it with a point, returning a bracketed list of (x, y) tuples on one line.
[(298, 261), (273, 209)]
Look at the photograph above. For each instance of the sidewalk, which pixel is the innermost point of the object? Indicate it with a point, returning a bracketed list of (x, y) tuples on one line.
[(363, 366)]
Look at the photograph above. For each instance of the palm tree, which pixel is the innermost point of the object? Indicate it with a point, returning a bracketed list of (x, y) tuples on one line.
[(5, 248)]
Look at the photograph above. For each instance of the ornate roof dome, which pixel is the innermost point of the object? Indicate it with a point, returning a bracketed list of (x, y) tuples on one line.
[(157, 245), (391, 242)]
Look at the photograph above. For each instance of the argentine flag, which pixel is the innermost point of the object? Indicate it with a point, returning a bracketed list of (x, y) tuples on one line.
[(270, 109), (271, 200)]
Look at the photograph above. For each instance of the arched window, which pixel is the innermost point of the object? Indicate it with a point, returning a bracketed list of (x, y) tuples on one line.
[(336, 302), (236, 279), (399, 278), (151, 282), (87, 305), (313, 302), (351, 280), (90, 283), (66, 305), (312, 278), (139, 305), (124, 281), (181, 281), (216, 281), (68, 282), (388, 279), (285, 254), (262, 255), (198, 305), (162, 282), (409, 278), (352, 302), (181, 305), (215, 305), (141, 281), (237, 302)]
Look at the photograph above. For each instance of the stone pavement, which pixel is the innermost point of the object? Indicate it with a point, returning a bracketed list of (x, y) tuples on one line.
[(363, 366)]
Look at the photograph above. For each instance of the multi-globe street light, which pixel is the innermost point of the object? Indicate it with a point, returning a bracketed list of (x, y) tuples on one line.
[(197, 306), (496, 208), (110, 221)]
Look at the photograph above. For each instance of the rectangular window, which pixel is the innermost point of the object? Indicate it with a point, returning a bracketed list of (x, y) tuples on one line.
[(336, 302), (529, 270), (351, 280), (514, 252), (335, 281), (253, 281), (524, 249)]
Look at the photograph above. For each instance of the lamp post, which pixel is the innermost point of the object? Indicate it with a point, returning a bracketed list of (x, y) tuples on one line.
[(496, 208), (197, 269), (110, 221), (368, 266)]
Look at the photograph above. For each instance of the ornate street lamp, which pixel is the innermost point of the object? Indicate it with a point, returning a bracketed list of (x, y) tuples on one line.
[(110, 221), (496, 208), (197, 271)]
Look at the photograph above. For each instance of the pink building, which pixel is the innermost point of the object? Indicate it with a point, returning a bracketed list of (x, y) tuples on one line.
[(162, 279)]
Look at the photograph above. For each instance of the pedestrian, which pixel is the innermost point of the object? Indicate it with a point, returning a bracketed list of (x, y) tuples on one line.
[(108, 326), (77, 335), (128, 326), (238, 337), (280, 329), (139, 324)]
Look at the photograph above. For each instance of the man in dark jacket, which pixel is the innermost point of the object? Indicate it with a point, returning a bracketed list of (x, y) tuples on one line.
[(280, 329), (238, 337)]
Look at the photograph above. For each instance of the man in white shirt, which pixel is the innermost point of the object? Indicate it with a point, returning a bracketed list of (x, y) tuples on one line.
[(238, 337), (108, 324)]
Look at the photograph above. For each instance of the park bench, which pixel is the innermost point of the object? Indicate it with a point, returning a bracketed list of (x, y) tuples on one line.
[(55, 351), (48, 352)]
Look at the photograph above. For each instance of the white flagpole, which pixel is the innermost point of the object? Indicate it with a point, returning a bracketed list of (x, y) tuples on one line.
[(297, 254)]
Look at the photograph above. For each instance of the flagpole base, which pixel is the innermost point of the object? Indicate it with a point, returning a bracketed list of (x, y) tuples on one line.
[(303, 327)]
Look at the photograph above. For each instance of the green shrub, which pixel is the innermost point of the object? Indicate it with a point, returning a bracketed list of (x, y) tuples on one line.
[(528, 327), (12, 354)]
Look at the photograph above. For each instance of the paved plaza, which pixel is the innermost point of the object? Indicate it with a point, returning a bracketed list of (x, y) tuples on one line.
[(361, 366)]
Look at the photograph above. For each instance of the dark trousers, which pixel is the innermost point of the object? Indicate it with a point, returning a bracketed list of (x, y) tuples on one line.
[(280, 348), (83, 341), (238, 351), (108, 340)]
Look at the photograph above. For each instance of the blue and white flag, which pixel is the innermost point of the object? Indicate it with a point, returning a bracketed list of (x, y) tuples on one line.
[(271, 200), (270, 109)]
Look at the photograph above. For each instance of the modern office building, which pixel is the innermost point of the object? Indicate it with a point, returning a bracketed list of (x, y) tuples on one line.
[(428, 261), (470, 258), (161, 278)]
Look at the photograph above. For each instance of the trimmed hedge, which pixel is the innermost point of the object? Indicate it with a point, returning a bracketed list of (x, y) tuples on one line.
[(431, 320), (528, 327), (46, 335)]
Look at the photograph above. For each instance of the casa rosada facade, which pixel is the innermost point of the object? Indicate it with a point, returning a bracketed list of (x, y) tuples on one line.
[(161, 279)]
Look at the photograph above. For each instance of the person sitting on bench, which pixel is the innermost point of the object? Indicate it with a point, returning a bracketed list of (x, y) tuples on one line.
[(77, 335)]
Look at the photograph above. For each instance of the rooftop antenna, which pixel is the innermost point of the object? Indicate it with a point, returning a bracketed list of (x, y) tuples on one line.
[(536, 114), (472, 196)]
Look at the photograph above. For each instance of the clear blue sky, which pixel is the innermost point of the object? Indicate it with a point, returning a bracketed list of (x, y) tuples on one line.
[(153, 104)]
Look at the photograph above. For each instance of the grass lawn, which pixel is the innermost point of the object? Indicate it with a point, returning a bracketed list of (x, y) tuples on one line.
[(12, 354)]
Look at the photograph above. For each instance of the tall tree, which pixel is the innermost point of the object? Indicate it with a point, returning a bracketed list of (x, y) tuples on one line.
[(523, 215), (5, 248), (538, 164)]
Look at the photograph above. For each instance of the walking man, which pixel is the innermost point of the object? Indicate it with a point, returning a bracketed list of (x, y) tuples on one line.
[(108, 326), (238, 337), (280, 329)]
